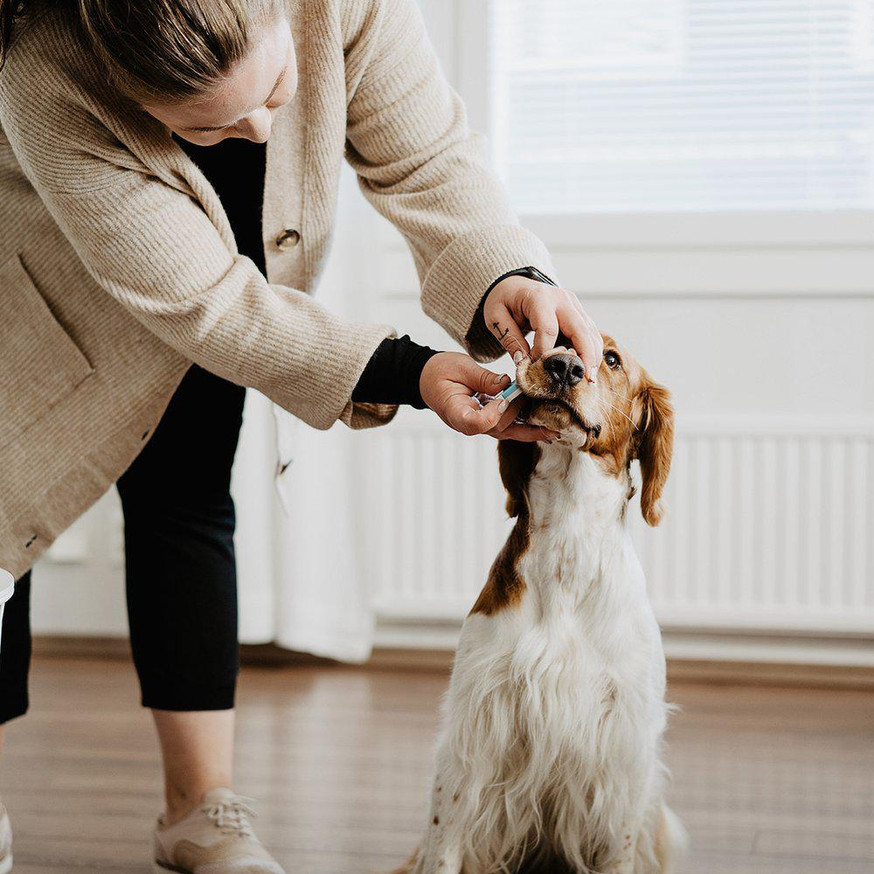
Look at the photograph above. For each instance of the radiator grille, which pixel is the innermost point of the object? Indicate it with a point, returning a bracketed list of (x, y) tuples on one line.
[(769, 525)]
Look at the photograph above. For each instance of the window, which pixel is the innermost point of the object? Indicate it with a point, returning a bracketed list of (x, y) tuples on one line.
[(683, 105)]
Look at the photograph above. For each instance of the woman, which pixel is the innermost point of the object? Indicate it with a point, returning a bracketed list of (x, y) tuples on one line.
[(156, 256)]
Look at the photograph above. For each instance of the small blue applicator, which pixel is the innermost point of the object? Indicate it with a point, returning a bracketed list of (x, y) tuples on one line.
[(511, 392)]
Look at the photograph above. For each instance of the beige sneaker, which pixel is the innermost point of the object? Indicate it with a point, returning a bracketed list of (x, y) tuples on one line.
[(5, 842), (215, 838)]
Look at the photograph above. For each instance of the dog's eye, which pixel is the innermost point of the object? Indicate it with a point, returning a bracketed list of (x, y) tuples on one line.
[(612, 360)]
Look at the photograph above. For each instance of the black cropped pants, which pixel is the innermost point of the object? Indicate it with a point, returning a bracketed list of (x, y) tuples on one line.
[(180, 568)]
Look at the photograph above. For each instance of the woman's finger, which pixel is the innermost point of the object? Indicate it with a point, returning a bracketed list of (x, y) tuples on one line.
[(578, 306), (509, 416), (465, 415), (478, 379), (577, 328), (544, 323), (593, 352), (584, 337), (503, 325)]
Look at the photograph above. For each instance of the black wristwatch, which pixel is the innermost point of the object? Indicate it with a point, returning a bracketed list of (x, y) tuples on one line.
[(530, 272)]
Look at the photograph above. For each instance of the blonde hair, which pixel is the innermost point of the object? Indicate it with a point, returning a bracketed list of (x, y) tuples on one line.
[(167, 50)]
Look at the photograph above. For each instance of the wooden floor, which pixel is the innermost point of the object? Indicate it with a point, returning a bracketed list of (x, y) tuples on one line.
[(768, 781)]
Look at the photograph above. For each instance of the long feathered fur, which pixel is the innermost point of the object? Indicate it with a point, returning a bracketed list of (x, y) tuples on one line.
[(550, 753)]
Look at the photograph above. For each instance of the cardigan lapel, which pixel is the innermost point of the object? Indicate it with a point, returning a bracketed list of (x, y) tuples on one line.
[(283, 186)]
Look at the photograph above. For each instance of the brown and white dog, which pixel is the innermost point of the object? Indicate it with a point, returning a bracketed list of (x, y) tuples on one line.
[(549, 758)]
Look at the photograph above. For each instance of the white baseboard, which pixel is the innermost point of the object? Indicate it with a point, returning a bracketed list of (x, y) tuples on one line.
[(692, 657), (855, 653)]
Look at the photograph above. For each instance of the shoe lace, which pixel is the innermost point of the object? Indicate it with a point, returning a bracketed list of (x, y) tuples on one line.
[(232, 815)]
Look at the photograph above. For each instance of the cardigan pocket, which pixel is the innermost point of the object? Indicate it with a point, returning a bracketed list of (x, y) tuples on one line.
[(40, 364)]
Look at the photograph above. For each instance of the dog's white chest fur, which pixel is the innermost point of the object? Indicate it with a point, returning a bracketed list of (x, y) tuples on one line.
[(556, 704)]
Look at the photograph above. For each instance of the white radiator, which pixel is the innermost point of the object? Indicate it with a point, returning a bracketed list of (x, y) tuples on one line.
[(770, 525)]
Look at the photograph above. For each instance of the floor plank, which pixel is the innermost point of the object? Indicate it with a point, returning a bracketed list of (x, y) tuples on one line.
[(768, 781)]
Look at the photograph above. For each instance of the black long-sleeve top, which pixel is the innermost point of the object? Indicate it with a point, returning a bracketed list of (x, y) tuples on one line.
[(236, 169)]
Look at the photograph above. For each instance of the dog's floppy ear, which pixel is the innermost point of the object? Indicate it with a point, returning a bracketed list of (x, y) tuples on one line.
[(516, 462), (655, 446)]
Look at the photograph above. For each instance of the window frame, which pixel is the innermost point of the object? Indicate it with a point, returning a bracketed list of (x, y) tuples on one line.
[(470, 70)]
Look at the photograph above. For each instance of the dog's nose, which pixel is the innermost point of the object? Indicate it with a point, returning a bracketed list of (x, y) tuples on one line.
[(565, 369)]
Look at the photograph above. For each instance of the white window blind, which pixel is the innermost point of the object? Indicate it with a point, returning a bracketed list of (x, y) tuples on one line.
[(683, 105)]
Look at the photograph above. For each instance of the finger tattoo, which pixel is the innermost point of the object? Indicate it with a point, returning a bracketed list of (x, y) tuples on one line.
[(500, 333)]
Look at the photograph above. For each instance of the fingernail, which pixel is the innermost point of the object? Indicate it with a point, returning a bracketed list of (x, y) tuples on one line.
[(502, 407), (499, 378), (517, 357)]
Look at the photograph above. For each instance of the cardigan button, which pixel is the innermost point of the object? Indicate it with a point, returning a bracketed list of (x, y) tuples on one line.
[(288, 239)]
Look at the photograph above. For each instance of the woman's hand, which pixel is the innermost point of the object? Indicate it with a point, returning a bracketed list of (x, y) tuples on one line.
[(448, 384), (517, 305)]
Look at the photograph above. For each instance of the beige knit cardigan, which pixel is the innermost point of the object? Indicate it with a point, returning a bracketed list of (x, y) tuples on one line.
[(118, 267)]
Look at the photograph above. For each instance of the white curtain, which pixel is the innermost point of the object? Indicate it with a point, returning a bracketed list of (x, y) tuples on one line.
[(302, 584), (299, 547)]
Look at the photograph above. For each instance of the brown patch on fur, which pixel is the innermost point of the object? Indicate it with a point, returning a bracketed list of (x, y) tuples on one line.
[(505, 587), (613, 457), (516, 463), (614, 448), (436, 820), (655, 446)]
